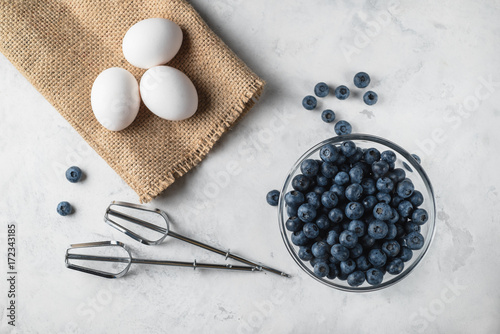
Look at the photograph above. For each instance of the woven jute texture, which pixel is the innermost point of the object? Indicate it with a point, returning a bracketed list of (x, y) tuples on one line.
[(61, 46)]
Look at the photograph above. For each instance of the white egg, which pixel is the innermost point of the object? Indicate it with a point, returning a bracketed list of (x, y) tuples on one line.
[(152, 42), (168, 93), (115, 98)]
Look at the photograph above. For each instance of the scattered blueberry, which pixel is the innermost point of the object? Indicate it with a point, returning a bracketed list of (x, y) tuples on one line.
[(343, 128), (328, 116), (321, 89), (309, 102), (74, 174), (370, 98), (361, 80), (64, 208), (273, 197), (342, 92)]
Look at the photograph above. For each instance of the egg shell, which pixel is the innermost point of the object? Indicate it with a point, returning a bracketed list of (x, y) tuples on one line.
[(168, 93), (115, 98), (152, 42)]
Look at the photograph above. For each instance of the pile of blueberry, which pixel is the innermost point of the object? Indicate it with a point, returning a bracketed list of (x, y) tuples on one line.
[(73, 174), (353, 214)]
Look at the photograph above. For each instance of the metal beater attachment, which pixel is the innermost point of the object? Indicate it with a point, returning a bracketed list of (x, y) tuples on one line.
[(110, 259), (154, 226)]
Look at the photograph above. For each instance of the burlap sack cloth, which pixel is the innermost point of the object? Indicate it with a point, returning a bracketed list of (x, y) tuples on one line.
[(61, 46)]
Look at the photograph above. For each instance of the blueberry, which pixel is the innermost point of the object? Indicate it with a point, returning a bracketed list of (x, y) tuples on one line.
[(348, 148), (396, 200), (348, 239), (339, 191), (361, 80), (309, 102), (332, 237), (374, 276), (321, 89), (415, 240), (411, 227), (273, 197), (311, 230), (369, 187), (291, 211), (342, 92), (357, 156), (356, 278), (391, 248), (321, 269), (371, 155), (322, 222), (354, 210), (328, 116), (347, 266), (405, 188), (328, 170), (380, 168), (405, 254), (362, 263), (305, 253), (299, 238), (294, 224), (316, 260), (353, 192), (416, 198), (306, 213), (336, 215), (339, 252), (377, 258), (383, 197), (394, 217), (294, 198), (367, 241), (301, 183), (377, 229), (334, 271), (313, 199), (369, 203), (356, 251), (382, 211), (385, 185), (405, 209), (64, 208), (329, 200), (343, 128), (419, 216), (309, 167), (356, 175), (370, 98), (320, 249), (417, 158), (392, 231), (328, 153), (400, 174), (74, 174), (395, 266), (358, 227), (341, 159), (363, 165), (388, 156), (342, 178)]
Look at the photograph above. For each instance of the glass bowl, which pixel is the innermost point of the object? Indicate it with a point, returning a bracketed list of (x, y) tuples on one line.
[(417, 175)]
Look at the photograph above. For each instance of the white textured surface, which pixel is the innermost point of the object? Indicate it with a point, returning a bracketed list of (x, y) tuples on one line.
[(427, 62)]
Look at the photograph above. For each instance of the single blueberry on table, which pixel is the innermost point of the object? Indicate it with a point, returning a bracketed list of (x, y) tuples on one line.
[(405, 209), (301, 183), (405, 188), (385, 185), (377, 258), (362, 263), (371, 155), (342, 92), (305, 253), (309, 167), (328, 116), (356, 175), (369, 187), (74, 174), (348, 148), (329, 199), (353, 192), (391, 248), (374, 276), (383, 197), (320, 249), (329, 170), (294, 198), (356, 278), (388, 156), (309, 102), (311, 230), (343, 128), (382, 211), (348, 239), (335, 216), (328, 153), (380, 168), (321, 89), (354, 210), (417, 198), (323, 222), (356, 251), (369, 202), (300, 239), (340, 252), (347, 266), (321, 269), (405, 254), (419, 216), (332, 237), (395, 266), (378, 229), (273, 197), (306, 213), (358, 227), (415, 241), (370, 98), (64, 208), (314, 199), (361, 80), (294, 224), (342, 178)]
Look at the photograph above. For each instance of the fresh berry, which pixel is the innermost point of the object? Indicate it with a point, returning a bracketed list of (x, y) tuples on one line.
[(354, 210), (294, 198), (273, 197), (309, 102), (374, 276), (332, 237), (405, 188), (416, 199), (309, 167), (306, 213), (301, 183), (348, 239), (382, 211), (321, 89), (391, 248), (347, 266), (419, 216), (321, 269), (74, 174), (377, 229), (340, 252), (305, 253), (342, 92), (343, 128), (395, 266), (370, 98), (415, 241), (328, 116), (329, 200), (356, 278), (299, 238), (353, 192), (294, 224), (64, 209), (361, 80), (377, 258), (356, 175), (335, 215), (329, 153), (405, 254), (320, 249), (348, 148), (388, 156), (311, 230), (371, 155), (385, 185)]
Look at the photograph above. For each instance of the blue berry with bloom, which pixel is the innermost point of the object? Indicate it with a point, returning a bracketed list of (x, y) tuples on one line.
[(309, 102), (321, 89)]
